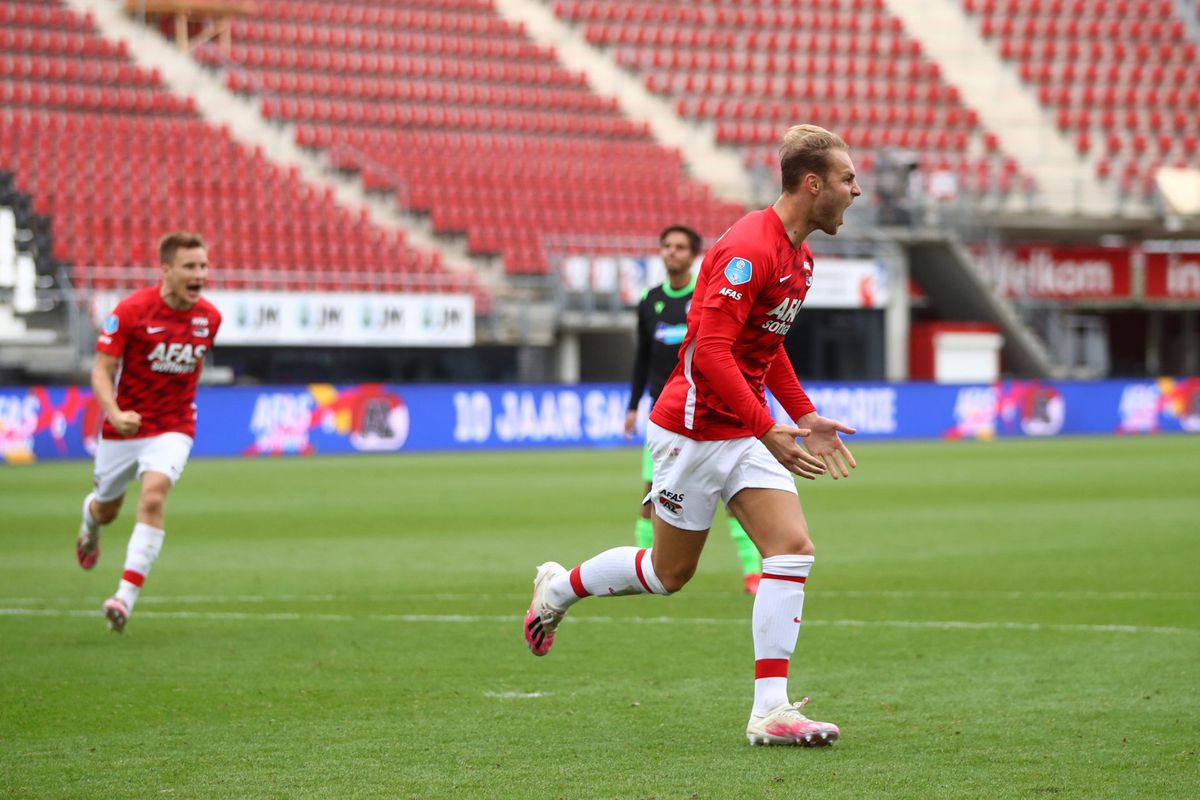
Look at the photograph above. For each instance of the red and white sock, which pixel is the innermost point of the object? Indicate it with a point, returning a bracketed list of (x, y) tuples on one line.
[(144, 546), (621, 570), (778, 607)]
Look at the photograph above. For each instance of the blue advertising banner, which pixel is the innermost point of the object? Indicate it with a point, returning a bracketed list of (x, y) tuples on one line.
[(62, 422)]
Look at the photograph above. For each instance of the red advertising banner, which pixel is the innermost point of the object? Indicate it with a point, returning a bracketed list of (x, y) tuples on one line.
[(1064, 273), (1173, 276)]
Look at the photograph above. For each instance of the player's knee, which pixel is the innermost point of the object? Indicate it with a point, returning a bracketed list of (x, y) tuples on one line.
[(675, 578), (797, 547), (152, 503)]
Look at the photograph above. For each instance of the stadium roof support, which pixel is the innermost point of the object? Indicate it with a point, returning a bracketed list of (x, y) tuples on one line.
[(217, 14)]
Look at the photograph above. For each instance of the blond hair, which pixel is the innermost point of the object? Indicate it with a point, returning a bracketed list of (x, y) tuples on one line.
[(173, 242), (805, 149)]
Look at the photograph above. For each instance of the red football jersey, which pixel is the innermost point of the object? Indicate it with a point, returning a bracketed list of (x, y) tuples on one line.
[(162, 352), (751, 285)]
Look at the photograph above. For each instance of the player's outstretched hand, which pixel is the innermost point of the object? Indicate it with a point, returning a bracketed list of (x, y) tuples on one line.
[(630, 423), (823, 442), (126, 422), (781, 441)]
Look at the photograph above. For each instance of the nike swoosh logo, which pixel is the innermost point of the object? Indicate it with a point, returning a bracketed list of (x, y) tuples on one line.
[(155, 330), (785, 277)]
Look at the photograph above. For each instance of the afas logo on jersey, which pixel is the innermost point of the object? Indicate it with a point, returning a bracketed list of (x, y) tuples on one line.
[(738, 271), (176, 358), (783, 316)]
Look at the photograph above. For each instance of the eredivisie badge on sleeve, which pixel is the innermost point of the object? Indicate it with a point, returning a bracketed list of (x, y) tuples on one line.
[(738, 271)]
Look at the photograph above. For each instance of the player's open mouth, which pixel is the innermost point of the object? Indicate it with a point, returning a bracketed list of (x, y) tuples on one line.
[(194, 288)]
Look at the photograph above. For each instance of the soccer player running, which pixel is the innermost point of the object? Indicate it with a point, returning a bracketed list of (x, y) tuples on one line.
[(148, 360), (712, 437), (661, 325)]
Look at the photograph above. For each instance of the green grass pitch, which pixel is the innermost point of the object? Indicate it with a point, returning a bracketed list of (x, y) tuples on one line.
[(1016, 619)]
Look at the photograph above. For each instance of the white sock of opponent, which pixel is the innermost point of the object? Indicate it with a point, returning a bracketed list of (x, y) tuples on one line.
[(88, 520), (776, 620), (621, 570), (144, 546)]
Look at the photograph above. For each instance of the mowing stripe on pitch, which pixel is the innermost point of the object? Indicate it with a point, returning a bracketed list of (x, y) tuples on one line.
[(507, 619), (948, 594)]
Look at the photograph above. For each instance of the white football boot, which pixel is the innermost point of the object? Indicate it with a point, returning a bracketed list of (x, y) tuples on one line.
[(541, 620), (785, 725), (117, 614), (87, 546)]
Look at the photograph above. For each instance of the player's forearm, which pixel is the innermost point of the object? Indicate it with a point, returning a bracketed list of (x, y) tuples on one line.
[(782, 381), (103, 381), (641, 374)]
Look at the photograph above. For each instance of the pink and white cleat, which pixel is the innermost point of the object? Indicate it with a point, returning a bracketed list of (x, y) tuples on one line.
[(787, 726), (87, 547), (541, 620), (116, 613)]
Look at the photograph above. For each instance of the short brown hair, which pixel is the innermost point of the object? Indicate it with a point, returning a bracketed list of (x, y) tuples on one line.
[(172, 242), (805, 149), (694, 240)]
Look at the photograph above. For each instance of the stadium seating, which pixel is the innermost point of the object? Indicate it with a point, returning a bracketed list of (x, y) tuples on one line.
[(753, 67), (455, 111), (117, 161), (1121, 78)]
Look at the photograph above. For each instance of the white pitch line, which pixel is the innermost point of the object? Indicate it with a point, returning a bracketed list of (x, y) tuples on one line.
[(946, 625), (193, 599), (212, 615)]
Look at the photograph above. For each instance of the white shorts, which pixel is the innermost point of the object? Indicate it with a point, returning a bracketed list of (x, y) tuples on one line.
[(691, 477), (118, 461)]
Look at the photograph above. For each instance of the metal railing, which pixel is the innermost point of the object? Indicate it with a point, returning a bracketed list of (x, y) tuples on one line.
[(128, 278)]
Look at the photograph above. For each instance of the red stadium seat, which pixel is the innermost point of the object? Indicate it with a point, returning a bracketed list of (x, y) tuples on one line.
[(1130, 61), (103, 119)]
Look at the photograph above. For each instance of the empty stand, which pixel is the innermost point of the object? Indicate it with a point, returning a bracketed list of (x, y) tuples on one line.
[(457, 112), (752, 68), (117, 161), (1121, 78)]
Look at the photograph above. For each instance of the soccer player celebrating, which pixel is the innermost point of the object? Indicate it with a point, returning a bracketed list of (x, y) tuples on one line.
[(148, 360), (712, 437), (661, 325)]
